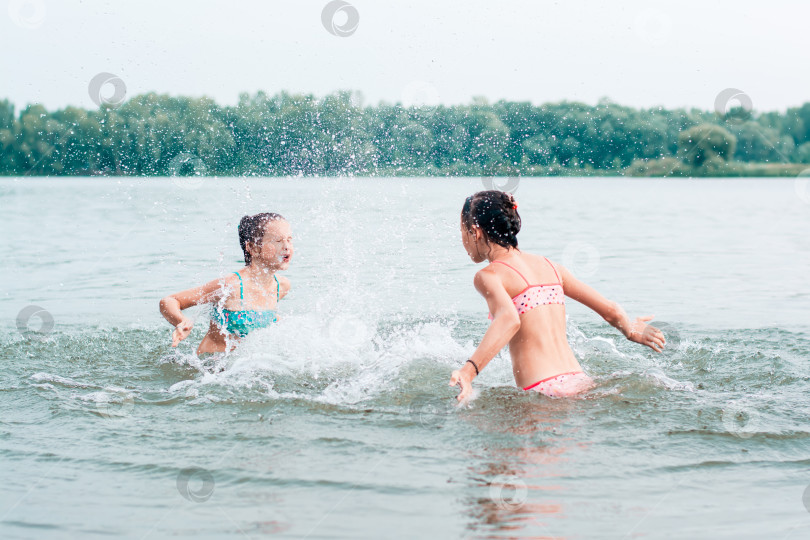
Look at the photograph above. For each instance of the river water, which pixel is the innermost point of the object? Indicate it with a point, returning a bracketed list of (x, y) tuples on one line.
[(338, 422)]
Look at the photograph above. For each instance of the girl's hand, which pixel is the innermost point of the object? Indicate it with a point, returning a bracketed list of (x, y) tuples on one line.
[(181, 331), (643, 333), (463, 379)]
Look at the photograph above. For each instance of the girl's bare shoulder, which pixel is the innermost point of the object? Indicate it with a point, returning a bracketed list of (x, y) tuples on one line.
[(487, 271), (225, 285), (286, 285), (487, 278), (228, 281)]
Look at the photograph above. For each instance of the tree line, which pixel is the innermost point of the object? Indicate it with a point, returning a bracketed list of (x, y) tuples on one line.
[(294, 134)]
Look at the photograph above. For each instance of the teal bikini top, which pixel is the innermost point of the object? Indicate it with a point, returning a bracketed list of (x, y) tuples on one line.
[(243, 321)]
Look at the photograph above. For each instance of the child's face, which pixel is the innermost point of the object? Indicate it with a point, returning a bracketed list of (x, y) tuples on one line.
[(276, 250), (470, 240)]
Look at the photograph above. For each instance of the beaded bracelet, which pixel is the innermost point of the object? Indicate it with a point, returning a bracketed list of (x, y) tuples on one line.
[(473, 363)]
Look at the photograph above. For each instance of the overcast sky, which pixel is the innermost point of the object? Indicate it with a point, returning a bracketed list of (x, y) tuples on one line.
[(636, 52)]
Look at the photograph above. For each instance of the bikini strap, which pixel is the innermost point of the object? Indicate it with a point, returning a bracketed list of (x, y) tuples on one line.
[(555, 270), (241, 286), (515, 269), (278, 288)]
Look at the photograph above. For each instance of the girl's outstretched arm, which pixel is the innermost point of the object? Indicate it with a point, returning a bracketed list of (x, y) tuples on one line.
[(172, 306), (637, 331), (505, 325)]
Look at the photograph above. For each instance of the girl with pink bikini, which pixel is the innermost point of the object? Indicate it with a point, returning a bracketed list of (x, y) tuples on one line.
[(526, 298)]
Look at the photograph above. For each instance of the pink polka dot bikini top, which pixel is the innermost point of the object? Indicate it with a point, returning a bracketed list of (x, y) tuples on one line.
[(536, 295)]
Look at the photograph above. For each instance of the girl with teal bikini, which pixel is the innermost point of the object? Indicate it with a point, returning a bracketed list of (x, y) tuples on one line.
[(266, 242)]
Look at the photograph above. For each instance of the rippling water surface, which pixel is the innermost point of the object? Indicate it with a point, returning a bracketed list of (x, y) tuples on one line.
[(338, 422)]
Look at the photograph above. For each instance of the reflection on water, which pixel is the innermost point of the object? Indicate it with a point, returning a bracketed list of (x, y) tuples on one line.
[(519, 474)]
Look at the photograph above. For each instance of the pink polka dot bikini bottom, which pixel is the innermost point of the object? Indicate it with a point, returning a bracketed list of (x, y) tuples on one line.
[(563, 385)]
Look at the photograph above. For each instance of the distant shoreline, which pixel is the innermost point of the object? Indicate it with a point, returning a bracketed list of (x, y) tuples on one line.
[(727, 170), (776, 173), (289, 135)]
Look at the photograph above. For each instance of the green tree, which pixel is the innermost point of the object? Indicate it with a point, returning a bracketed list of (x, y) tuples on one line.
[(705, 142), (803, 153)]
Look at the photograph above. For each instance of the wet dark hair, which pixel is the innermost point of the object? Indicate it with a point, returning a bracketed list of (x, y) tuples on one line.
[(251, 229), (495, 212)]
